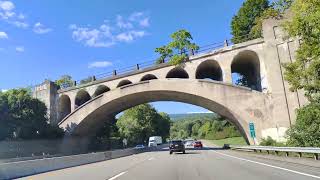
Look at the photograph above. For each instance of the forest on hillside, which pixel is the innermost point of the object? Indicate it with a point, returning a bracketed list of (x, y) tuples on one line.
[(201, 126)]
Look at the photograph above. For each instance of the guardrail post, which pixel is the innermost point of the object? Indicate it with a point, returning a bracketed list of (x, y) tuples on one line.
[(277, 152), (287, 154), (114, 73), (137, 66), (300, 154), (316, 156), (268, 151)]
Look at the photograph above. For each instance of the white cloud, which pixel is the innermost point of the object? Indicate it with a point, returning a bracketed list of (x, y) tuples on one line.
[(100, 37), (20, 49), (99, 64), (40, 28), (144, 22), (108, 34), (3, 35), (8, 14), (19, 24), (21, 16), (6, 5), (130, 36), (122, 24), (136, 15), (4, 90)]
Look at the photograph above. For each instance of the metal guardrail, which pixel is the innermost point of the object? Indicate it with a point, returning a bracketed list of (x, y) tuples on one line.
[(268, 149)]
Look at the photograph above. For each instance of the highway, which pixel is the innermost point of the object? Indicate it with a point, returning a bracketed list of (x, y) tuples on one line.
[(209, 163)]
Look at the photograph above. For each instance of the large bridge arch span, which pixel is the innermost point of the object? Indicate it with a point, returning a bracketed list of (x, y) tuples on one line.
[(239, 105)]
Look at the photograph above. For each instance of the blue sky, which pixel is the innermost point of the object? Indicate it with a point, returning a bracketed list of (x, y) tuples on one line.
[(46, 39)]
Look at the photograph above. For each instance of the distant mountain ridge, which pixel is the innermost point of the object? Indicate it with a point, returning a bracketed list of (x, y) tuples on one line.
[(176, 117)]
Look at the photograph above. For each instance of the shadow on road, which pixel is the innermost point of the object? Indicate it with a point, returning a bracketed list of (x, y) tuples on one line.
[(187, 152), (192, 149)]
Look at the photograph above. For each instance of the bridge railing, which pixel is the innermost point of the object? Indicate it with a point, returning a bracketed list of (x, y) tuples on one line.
[(147, 64), (152, 63), (299, 150)]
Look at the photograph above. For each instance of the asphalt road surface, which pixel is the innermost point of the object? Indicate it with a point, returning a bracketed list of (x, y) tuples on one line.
[(209, 163)]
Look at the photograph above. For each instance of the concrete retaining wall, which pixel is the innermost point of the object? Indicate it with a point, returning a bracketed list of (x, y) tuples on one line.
[(14, 149), (30, 167)]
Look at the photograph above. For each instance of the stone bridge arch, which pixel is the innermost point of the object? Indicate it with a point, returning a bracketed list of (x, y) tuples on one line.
[(239, 105)]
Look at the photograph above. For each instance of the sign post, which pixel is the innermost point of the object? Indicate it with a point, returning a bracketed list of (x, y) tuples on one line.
[(252, 131)]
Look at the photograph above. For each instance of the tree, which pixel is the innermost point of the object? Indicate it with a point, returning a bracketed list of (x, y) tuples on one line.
[(275, 11), (24, 117), (165, 52), (304, 72), (137, 124), (64, 81), (86, 80), (306, 131), (180, 45), (245, 19)]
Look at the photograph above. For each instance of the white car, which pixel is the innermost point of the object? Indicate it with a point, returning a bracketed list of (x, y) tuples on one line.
[(188, 144), (139, 146)]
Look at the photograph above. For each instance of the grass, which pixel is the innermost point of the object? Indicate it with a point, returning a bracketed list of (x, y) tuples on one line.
[(232, 141)]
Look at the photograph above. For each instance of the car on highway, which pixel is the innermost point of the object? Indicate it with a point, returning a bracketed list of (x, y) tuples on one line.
[(139, 146), (176, 146), (188, 143), (197, 144)]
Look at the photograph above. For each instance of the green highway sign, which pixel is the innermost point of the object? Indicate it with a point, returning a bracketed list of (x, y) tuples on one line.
[(252, 130)]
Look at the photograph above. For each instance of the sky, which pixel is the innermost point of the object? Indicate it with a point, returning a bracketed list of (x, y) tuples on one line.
[(46, 39)]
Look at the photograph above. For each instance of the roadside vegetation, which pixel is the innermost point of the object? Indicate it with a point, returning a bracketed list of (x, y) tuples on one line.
[(230, 141), (23, 117), (203, 126), (303, 74)]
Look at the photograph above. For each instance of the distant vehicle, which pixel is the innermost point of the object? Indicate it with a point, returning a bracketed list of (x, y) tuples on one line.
[(176, 146), (154, 141), (197, 144), (188, 143), (139, 146)]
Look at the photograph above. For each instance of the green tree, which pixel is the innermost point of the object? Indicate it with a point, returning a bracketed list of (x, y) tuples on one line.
[(306, 131), (195, 129), (165, 52), (181, 44), (275, 11), (137, 124), (24, 117), (204, 129), (304, 72), (64, 81), (245, 19)]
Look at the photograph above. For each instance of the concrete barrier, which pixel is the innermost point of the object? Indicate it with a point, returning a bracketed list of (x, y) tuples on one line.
[(25, 168)]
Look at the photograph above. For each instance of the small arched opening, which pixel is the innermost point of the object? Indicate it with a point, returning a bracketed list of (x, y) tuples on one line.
[(177, 72), (245, 70), (81, 98), (100, 90), (64, 106), (209, 69), (124, 82), (148, 77)]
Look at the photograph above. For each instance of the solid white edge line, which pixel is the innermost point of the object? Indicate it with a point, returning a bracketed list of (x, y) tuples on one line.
[(268, 165), (118, 175)]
